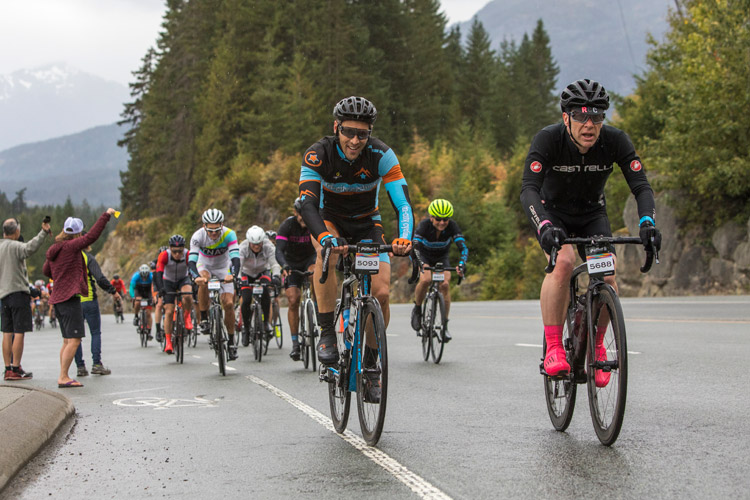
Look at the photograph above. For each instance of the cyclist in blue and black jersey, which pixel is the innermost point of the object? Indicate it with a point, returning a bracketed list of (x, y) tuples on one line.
[(140, 288), (339, 184), (294, 251), (562, 193), (432, 240)]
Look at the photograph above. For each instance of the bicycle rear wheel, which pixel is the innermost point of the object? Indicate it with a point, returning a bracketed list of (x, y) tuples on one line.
[(560, 392), (312, 332), (437, 328), (339, 396), (426, 316), (373, 375), (607, 395)]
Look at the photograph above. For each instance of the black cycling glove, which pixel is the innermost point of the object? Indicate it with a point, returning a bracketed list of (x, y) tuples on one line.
[(552, 237), (649, 233)]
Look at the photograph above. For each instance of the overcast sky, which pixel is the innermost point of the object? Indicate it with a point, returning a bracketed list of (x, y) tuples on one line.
[(107, 38)]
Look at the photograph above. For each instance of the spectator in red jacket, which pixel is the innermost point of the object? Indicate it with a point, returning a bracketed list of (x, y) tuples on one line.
[(65, 266)]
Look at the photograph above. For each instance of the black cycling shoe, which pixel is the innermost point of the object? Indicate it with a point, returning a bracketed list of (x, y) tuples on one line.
[(135, 321), (372, 385), (295, 353), (328, 350), (232, 353), (203, 327), (245, 338), (446, 335), (416, 318)]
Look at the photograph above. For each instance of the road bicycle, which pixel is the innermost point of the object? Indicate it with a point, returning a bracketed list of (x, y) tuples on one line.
[(118, 310), (180, 332), (278, 329), (362, 345), (308, 322), (192, 337), (219, 340), (38, 315), (142, 328), (259, 338), (434, 317), (597, 359)]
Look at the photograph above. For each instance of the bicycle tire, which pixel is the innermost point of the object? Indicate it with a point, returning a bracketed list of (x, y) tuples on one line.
[(372, 413), (425, 330), (560, 392), (278, 328), (143, 328), (257, 332), (302, 335), (312, 332), (339, 396), (216, 326), (437, 328), (178, 337), (607, 403)]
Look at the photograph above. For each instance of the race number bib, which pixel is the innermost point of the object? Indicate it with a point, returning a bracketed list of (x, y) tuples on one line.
[(144, 303), (600, 265), (214, 285), (367, 263), (257, 290), (438, 276)]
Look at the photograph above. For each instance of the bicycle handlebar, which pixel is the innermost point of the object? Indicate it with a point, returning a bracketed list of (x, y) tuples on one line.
[(441, 269), (416, 264), (596, 240)]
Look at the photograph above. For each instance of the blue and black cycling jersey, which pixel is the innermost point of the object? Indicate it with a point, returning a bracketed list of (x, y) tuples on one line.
[(432, 244), (349, 189), (140, 283)]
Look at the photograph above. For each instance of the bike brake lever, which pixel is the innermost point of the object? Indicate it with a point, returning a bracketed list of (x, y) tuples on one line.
[(326, 253), (552, 261)]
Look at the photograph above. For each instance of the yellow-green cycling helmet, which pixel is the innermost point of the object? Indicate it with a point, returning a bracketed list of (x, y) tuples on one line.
[(440, 208)]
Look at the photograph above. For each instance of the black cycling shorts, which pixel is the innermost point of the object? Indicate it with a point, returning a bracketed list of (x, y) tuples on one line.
[(582, 225), (295, 279), (172, 287), (143, 291), (356, 230), (431, 260), (16, 313)]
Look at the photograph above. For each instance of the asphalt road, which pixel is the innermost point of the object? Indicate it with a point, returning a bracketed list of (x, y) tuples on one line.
[(474, 426)]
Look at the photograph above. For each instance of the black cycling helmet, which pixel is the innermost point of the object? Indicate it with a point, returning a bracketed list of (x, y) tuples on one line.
[(116, 276), (357, 109), (177, 240), (584, 93), (298, 205)]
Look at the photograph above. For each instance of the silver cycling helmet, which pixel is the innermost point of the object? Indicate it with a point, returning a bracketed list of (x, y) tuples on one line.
[(213, 216), (255, 235)]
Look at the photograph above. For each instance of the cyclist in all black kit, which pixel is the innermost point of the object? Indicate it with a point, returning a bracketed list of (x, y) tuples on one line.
[(294, 251), (432, 240), (563, 195), (341, 174)]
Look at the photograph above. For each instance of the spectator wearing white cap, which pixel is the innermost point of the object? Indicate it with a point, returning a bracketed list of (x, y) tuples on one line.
[(14, 294), (65, 265)]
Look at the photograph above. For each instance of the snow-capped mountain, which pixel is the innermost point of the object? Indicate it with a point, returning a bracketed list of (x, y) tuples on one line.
[(55, 100)]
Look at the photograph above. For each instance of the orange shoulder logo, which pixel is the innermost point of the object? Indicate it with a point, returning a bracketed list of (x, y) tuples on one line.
[(311, 158)]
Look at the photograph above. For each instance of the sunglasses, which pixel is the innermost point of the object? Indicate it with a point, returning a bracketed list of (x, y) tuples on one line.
[(441, 219), (214, 231), (177, 249), (350, 132), (580, 117)]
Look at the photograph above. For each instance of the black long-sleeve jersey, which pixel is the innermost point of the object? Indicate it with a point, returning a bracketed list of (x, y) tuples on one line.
[(557, 176)]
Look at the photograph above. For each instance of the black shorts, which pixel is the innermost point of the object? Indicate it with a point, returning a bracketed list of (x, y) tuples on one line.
[(70, 316), (143, 291), (579, 226), (174, 286), (431, 260), (16, 313), (356, 230), (295, 279)]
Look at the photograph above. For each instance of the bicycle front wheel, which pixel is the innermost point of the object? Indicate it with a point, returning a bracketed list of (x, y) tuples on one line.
[(437, 328), (312, 332), (560, 392), (178, 337), (219, 342), (257, 332), (607, 372), (372, 376), (339, 396), (426, 318), (278, 330)]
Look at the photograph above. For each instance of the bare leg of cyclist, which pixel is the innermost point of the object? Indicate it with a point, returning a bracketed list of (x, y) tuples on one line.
[(168, 314), (327, 293), (381, 288), (227, 302), (554, 299)]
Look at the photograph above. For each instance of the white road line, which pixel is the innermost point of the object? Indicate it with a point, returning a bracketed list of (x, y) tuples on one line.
[(539, 346), (227, 367), (137, 390), (414, 482), (196, 357)]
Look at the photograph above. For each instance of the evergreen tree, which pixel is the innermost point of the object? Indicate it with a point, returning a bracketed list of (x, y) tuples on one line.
[(479, 71)]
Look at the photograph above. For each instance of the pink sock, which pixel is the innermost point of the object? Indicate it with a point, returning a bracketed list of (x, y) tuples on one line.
[(600, 331), (553, 335)]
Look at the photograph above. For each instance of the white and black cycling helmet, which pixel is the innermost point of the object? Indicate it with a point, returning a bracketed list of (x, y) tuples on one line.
[(144, 270), (177, 240), (357, 109), (255, 235), (271, 234), (298, 205), (213, 216), (584, 93), (38, 283)]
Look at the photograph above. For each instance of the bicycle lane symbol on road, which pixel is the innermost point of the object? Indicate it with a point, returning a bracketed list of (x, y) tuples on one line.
[(158, 403)]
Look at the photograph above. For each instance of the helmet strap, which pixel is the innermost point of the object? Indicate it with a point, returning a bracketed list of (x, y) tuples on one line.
[(570, 133)]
